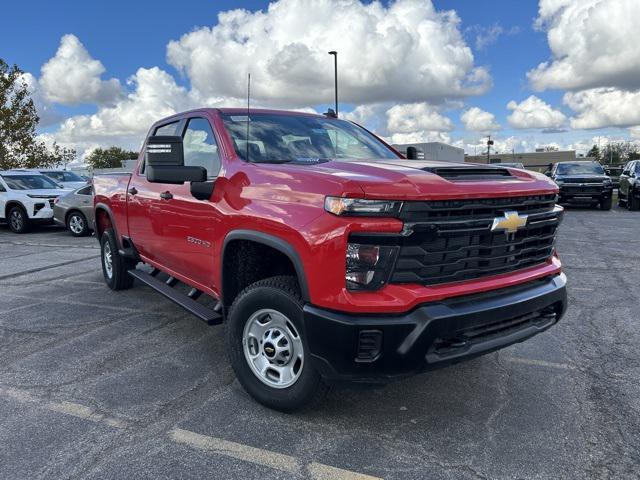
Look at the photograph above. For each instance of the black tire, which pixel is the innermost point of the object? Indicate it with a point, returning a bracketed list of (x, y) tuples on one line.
[(282, 296), (606, 203), (633, 202), (18, 219), (116, 277), (77, 224)]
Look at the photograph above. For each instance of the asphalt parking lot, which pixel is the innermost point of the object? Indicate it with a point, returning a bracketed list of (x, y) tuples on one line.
[(98, 384)]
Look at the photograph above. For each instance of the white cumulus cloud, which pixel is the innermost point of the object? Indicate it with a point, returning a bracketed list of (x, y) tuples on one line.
[(594, 43), (155, 95), (535, 113), (604, 107), (477, 120), (406, 52), (72, 76)]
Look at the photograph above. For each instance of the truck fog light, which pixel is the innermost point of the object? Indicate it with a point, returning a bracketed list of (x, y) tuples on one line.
[(368, 266)]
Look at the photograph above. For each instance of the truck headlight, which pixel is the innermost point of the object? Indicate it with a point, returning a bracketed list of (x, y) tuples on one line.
[(368, 266), (361, 207)]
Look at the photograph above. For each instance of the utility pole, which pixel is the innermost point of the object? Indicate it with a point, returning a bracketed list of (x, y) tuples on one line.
[(335, 76), (489, 143)]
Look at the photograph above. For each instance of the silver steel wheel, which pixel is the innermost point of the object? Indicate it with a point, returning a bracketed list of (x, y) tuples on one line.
[(273, 348), (17, 222), (107, 259), (76, 224)]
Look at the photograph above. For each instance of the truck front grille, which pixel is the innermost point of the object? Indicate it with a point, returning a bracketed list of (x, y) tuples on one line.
[(451, 241)]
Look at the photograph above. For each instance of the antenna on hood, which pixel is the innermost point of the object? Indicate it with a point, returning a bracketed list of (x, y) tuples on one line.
[(248, 107)]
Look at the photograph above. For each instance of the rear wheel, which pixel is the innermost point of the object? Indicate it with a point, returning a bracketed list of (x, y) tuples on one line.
[(606, 203), (18, 219), (267, 348), (115, 267), (633, 202), (77, 224)]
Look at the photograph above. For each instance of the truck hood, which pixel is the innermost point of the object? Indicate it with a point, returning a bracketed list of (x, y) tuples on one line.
[(413, 179)]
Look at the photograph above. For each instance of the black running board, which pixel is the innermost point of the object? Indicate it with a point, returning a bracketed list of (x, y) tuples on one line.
[(206, 314)]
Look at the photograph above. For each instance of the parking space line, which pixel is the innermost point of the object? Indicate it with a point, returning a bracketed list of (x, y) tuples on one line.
[(66, 408), (278, 461), (48, 267), (539, 363)]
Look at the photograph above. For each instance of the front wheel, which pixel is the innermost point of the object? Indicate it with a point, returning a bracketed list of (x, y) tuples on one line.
[(633, 202), (267, 348), (18, 220), (606, 203)]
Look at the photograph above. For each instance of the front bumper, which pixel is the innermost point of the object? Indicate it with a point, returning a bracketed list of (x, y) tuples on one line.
[(575, 193), (343, 346)]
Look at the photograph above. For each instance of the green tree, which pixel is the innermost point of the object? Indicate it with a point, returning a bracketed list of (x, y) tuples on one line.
[(19, 145), (594, 152), (111, 157)]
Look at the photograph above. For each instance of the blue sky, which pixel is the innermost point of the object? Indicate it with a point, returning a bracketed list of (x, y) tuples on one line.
[(125, 36)]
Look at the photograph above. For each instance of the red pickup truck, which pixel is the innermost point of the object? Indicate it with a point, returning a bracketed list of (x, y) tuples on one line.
[(328, 255)]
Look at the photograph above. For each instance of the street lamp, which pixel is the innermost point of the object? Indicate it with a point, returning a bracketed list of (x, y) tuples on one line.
[(335, 65)]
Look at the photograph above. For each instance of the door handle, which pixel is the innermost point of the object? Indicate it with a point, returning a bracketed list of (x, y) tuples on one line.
[(166, 196), (133, 190)]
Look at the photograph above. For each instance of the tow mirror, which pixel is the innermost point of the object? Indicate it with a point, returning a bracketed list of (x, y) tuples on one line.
[(412, 153), (164, 159), (548, 173)]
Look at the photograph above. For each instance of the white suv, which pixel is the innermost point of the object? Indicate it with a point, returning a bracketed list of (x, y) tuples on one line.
[(26, 198)]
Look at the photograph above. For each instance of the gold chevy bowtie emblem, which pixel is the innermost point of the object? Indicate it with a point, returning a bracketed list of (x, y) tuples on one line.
[(509, 223)]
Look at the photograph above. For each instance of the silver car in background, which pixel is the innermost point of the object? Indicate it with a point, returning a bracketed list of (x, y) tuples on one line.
[(75, 211)]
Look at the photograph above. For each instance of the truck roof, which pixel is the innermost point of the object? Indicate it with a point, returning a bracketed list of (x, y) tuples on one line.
[(240, 111)]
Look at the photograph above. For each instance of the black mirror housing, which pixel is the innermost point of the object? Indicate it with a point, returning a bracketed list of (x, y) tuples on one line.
[(164, 150), (164, 156)]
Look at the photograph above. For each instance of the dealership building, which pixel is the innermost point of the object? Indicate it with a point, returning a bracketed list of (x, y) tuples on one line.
[(433, 151), (539, 160)]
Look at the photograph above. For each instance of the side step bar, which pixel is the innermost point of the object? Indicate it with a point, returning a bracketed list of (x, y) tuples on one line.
[(208, 315)]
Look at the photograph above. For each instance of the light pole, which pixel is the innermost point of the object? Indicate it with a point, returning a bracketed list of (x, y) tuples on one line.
[(335, 77)]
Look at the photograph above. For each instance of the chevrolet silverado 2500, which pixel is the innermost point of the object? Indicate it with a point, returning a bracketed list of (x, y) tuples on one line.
[(328, 255)]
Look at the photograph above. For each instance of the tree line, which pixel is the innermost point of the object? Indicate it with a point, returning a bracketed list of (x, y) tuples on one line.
[(616, 153), (20, 146)]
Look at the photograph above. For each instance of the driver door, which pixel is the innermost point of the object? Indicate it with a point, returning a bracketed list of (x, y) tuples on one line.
[(191, 226)]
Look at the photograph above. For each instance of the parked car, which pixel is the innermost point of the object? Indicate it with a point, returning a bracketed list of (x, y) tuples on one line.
[(75, 211), (629, 192), (583, 183), (65, 178), (329, 256), (614, 173), (26, 198)]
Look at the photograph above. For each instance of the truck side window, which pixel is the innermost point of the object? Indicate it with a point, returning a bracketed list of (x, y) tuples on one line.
[(166, 130), (2, 189), (200, 147)]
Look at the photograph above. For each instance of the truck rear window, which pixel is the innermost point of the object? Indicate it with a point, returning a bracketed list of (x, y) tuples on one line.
[(299, 138)]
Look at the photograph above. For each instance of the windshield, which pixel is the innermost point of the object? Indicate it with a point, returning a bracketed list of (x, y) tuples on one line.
[(580, 169), (29, 182), (64, 176), (298, 138)]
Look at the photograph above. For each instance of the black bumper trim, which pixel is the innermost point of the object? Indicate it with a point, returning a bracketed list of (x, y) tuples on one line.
[(433, 335)]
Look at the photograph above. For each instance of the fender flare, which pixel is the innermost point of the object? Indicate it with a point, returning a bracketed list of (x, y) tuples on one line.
[(274, 242), (105, 208)]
